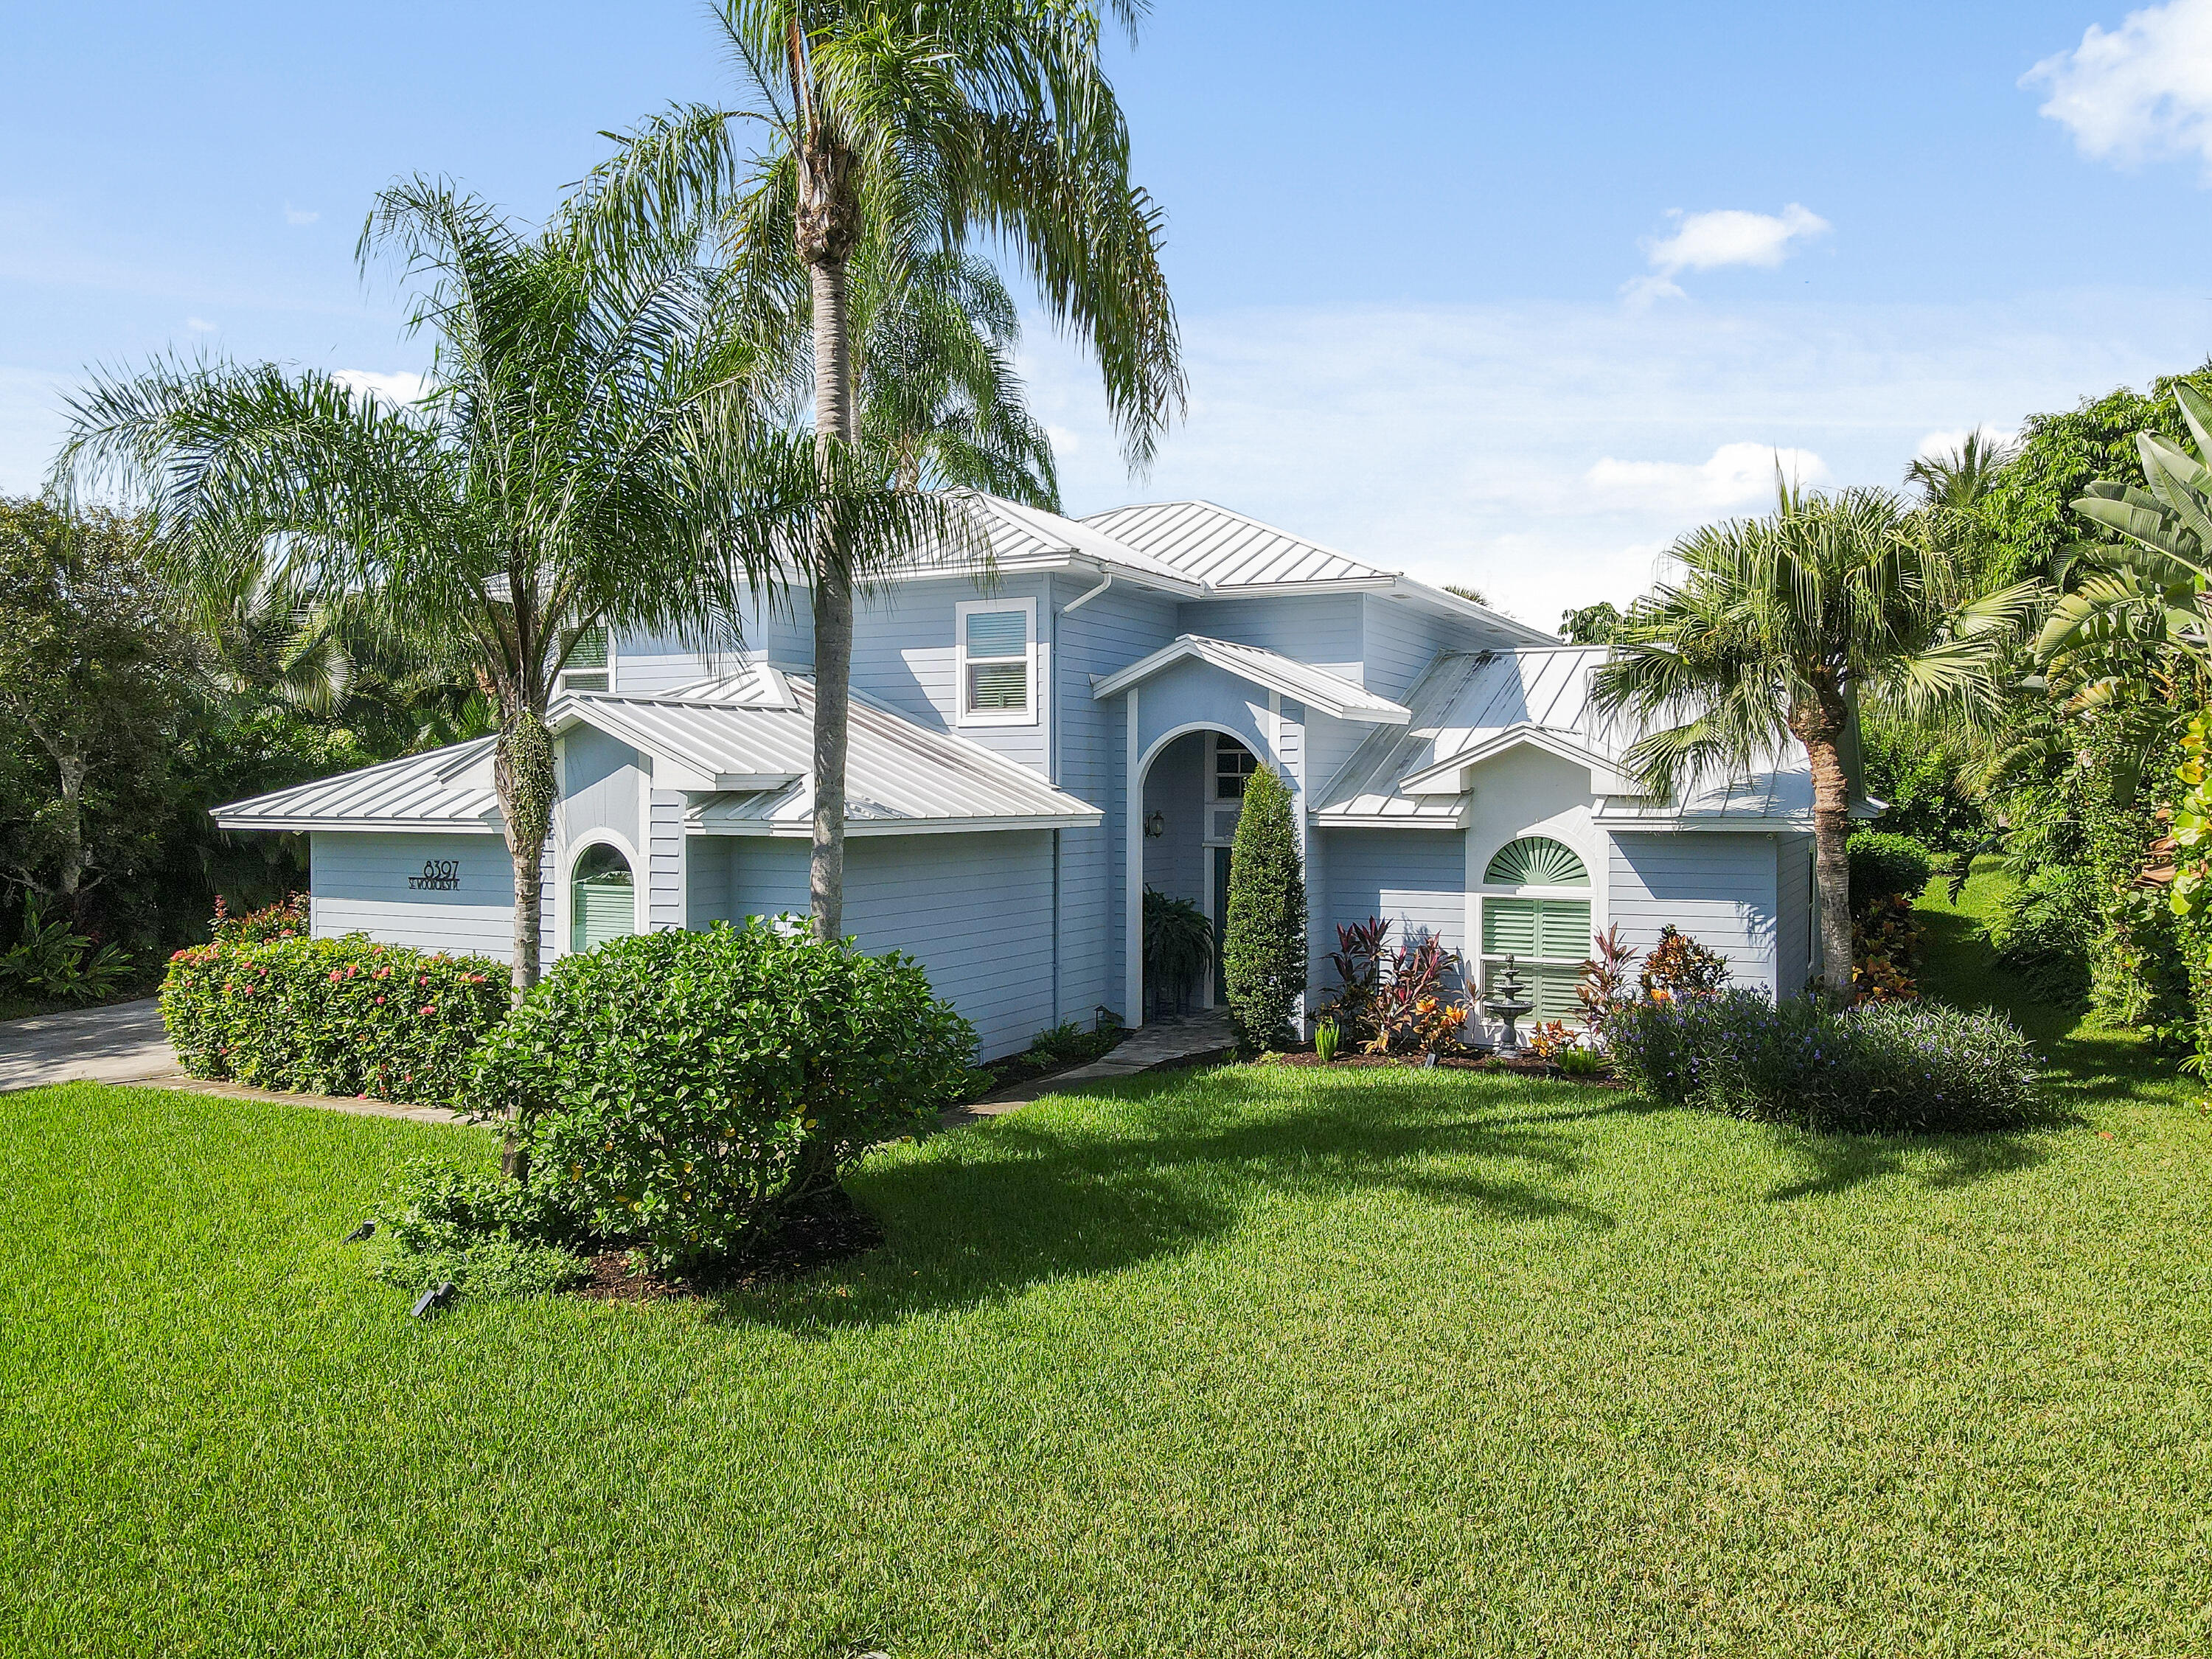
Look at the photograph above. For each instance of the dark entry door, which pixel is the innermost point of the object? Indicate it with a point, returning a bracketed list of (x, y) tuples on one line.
[(1220, 924)]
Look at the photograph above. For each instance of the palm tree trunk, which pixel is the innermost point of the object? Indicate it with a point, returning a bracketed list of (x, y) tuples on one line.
[(833, 604), (522, 777), (1832, 870)]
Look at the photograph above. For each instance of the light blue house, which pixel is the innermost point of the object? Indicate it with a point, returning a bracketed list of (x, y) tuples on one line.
[(1036, 743)]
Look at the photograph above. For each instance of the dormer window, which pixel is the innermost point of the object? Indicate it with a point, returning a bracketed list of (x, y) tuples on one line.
[(590, 666), (998, 662)]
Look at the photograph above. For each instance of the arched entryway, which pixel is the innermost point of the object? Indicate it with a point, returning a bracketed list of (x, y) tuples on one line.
[(602, 896), (1193, 790)]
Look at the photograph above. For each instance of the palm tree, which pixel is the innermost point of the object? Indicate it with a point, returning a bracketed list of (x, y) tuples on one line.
[(1780, 630), (1961, 479), (586, 452), (913, 131)]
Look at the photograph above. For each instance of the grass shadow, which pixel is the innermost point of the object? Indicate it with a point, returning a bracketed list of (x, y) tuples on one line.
[(987, 1212), (1838, 1164)]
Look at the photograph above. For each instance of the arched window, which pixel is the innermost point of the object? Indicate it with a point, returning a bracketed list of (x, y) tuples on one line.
[(1545, 931), (604, 898)]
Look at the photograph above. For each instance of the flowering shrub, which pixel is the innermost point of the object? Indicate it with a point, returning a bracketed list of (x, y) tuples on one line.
[(1680, 967), (681, 1093), (286, 919), (1605, 985), (1884, 1067), (1550, 1039), (1394, 997), (1885, 950), (331, 1016)]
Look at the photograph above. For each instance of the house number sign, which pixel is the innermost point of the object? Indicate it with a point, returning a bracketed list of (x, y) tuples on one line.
[(439, 875)]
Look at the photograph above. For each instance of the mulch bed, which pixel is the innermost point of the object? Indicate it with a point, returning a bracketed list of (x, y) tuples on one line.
[(1450, 1060), (1028, 1065), (835, 1231)]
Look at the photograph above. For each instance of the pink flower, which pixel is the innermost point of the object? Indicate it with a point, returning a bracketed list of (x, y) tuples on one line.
[(379, 1002), (430, 1008)]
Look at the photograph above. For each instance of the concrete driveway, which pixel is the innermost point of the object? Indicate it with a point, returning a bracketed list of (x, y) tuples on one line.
[(119, 1044)]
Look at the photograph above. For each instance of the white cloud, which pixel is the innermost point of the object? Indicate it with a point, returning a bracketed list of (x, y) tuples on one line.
[(1730, 236), (1457, 442), (1737, 475), (1065, 440), (1947, 439), (201, 325), (299, 215), (2138, 92), (401, 388)]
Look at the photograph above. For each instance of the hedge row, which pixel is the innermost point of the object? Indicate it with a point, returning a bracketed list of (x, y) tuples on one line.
[(332, 1016)]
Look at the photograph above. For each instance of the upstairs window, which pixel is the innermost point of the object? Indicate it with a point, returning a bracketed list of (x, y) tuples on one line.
[(1233, 765), (998, 662), (589, 665)]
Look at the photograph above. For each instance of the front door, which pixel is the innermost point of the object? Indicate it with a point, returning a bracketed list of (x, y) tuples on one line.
[(1220, 925)]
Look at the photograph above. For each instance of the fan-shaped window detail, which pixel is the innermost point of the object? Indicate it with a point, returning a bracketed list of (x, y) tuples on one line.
[(1536, 861)]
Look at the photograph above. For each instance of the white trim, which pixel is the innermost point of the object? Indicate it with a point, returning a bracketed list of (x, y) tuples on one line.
[(1317, 688), (799, 831), (1132, 871), (1450, 777), (561, 688), (1033, 712), (564, 930)]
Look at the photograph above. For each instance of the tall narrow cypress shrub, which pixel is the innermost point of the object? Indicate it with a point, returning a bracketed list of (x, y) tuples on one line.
[(1263, 947)]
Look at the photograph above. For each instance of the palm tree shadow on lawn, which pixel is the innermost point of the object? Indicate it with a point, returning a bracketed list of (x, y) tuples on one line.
[(989, 1212)]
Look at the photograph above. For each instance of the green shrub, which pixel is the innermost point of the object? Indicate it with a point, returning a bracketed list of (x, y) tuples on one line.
[(1069, 1044), (2042, 932), (332, 1016), (1263, 946), (682, 1092), (1881, 1068), (1178, 948), (52, 959), (1579, 1060), (286, 919), (489, 1235), (1883, 865)]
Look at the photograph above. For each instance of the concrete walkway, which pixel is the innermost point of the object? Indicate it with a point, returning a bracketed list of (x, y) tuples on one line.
[(1176, 1040), (122, 1042)]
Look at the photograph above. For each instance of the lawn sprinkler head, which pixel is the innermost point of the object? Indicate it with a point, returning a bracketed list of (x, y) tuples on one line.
[(436, 1300)]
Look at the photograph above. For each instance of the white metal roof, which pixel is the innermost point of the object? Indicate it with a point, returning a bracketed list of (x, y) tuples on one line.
[(1028, 538), (742, 748), (1332, 694), (447, 789), (1236, 555), (1470, 708)]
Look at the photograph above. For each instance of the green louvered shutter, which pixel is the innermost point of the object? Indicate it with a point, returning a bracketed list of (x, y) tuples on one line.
[(1509, 927), (1553, 991), (1562, 928), (603, 910)]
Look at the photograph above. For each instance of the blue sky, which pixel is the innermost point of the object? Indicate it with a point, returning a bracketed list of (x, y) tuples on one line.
[(1511, 296)]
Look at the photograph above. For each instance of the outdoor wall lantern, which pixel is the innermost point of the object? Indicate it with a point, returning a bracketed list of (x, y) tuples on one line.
[(1155, 824)]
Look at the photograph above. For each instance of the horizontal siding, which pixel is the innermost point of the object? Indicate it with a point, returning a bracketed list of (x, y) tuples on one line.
[(905, 654), (1323, 630), (976, 911), (708, 898), (1717, 888), (1413, 879), (359, 885), (1401, 640), (665, 861), (1795, 934), (1116, 628)]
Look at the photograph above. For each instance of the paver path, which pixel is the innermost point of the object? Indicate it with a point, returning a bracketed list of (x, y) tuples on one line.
[(122, 1042), (1156, 1043)]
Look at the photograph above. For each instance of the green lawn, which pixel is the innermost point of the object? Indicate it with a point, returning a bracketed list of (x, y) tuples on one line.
[(1238, 1363)]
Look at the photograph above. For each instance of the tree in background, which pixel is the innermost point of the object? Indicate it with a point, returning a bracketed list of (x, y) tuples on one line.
[(925, 129), (1593, 624), (1781, 630), (585, 452), (1263, 945), (1961, 479), (95, 683)]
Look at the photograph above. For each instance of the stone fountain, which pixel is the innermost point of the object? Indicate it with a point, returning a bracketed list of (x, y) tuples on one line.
[(1507, 1002)]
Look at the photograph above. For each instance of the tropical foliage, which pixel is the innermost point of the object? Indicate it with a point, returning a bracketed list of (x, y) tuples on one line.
[(1780, 630), (888, 145)]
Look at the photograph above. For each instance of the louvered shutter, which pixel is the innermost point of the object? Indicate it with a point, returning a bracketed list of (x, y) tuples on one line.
[(1509, 927)]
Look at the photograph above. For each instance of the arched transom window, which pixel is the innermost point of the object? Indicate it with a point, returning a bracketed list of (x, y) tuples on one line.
[(603, 897), (1543, 925)]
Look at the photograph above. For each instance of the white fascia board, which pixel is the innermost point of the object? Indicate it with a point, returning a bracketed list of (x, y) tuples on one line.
[(1450, 777), (1046, 563), (361, 826), (801, 831), (1191, 646), (1454, 820)]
